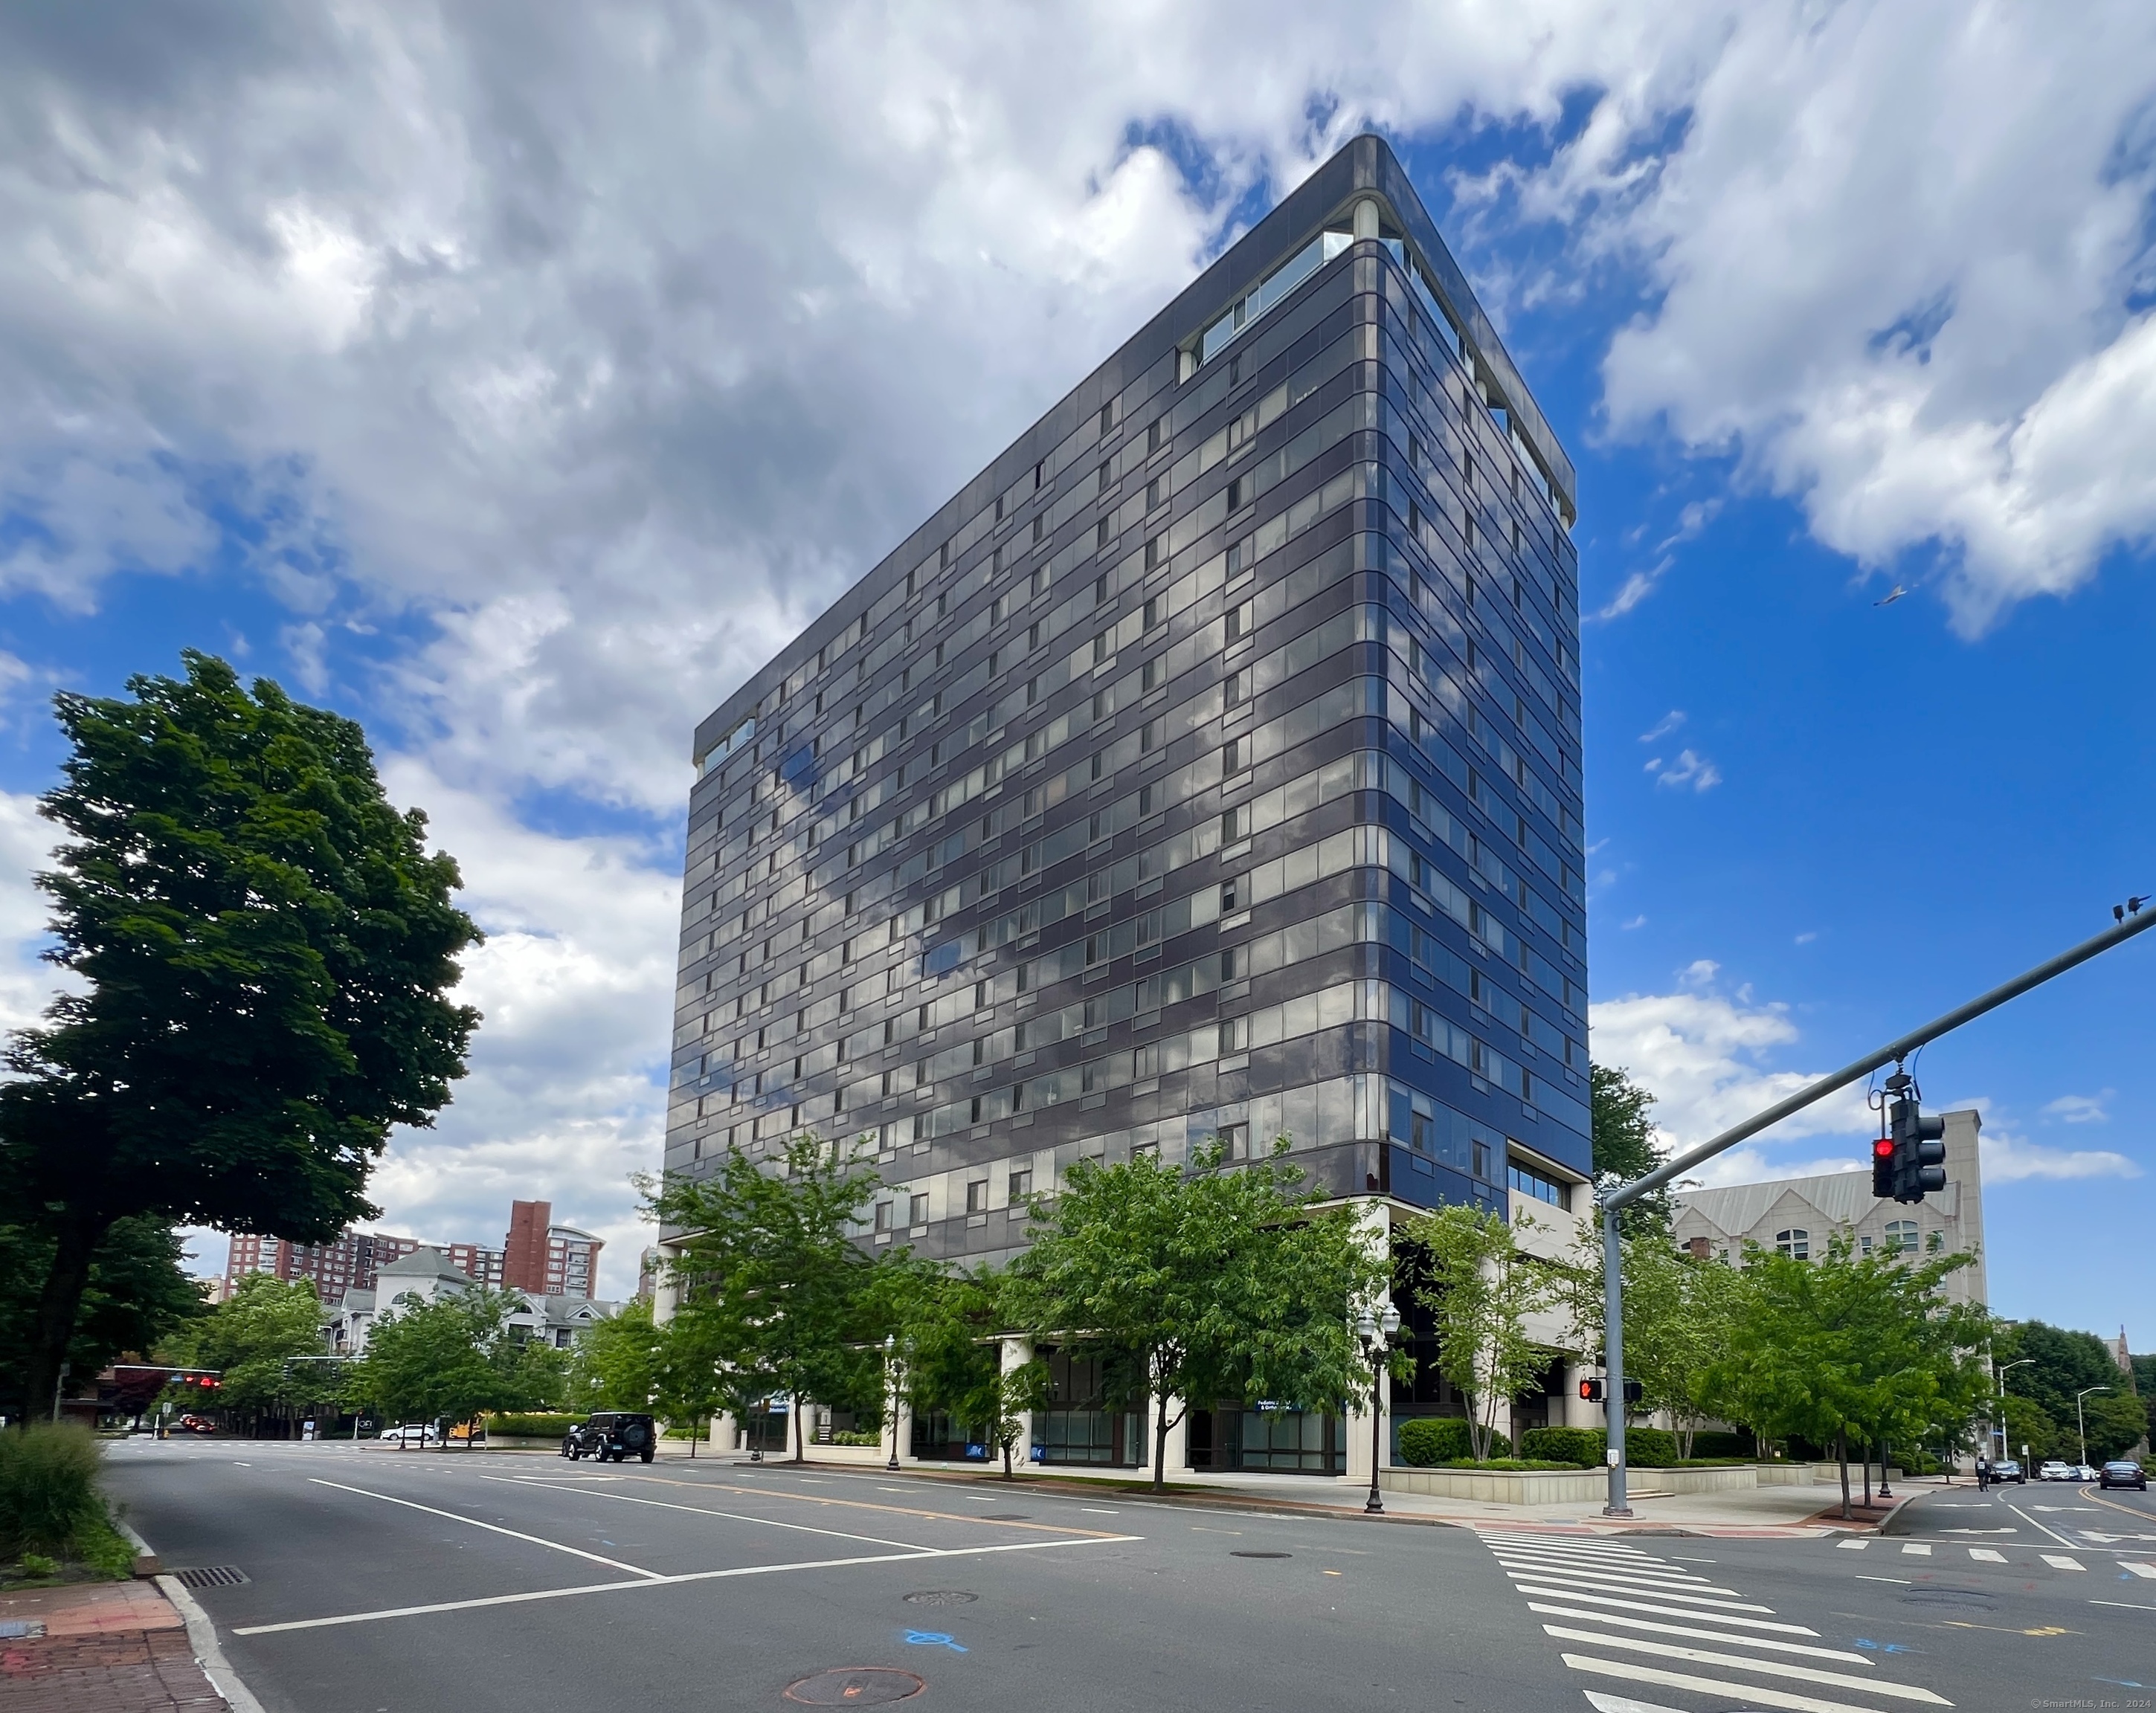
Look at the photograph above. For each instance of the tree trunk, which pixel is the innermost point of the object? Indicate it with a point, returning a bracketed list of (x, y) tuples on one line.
[(1841, 1456), (1160, 1442), (58, 1304), (1867, 1473), (800, 1447)]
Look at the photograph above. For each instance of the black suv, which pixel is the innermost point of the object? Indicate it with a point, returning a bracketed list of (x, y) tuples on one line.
[(611, 1433)]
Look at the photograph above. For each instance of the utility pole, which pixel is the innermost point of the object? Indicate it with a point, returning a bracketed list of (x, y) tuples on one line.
[(2129, 921)]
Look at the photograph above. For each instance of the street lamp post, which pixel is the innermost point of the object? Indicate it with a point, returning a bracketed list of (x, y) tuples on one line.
[(1375, 1335), (2081, 1419), (1999, 1377), (890, 1391)]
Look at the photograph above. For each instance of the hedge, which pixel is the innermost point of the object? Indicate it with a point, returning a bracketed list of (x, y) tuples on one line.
[(1721, 1443), (1650, 1448), (1580, 1447), (550, 1425), (1426, 1441)]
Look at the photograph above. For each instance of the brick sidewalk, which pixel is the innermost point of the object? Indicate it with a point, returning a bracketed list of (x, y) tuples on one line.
[(98, 1648)]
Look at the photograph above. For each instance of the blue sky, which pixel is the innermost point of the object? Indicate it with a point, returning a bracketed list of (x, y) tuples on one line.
[(520, 402)]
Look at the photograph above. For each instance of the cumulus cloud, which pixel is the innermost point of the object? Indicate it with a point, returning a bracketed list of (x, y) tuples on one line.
[(2009, 1158), (2080, 1109), (561, 364)]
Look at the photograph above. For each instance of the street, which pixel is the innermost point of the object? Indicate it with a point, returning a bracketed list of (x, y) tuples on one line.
[(381, 1582)]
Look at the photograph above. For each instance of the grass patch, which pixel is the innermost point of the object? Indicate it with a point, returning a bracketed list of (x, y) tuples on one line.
[(53, 1524)]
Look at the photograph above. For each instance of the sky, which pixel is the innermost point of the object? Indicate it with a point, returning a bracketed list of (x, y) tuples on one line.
[(517, 379)]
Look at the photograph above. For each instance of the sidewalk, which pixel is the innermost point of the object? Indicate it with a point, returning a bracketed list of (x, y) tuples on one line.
[(99, 1648), (1764, 1512)]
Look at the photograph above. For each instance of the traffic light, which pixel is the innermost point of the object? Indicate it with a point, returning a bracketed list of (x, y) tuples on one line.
[(1882, 1167), (1919, 1151), (1635, 1390), (1591, 1390)]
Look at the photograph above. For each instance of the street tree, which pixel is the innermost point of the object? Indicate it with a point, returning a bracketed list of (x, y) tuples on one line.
[(1678, 1310), (442, 1361), (1623, 1138), (1465, 1266), (614, 1363), (766, 1266), (1843, 1345), (266, 1342), (691, 1382), (1217, 1282), (2059, 1365), (259, 950), (949, 1328)]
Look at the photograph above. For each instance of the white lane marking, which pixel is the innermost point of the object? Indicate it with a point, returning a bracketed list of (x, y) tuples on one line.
[(1621, 1579), (1861, 1577), (1564, 1543), (1986, 1554), (1565, 1589), (1601, 1567), (730, 1515), (2059, 1561), (2123, 1605), (1622, 1704), (1697, 1617), (1713, 1686), (1769, 1668), (637, 1569), (1095, 1510), (664, 1582), (1572, 1553), (1916, 1549), (1708, 1635), (1852, 1546), (2140, 1569), (2045, 1527)]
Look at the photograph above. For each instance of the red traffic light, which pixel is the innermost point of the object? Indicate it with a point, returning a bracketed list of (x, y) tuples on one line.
[(1591, 1390), (1883, 1149)]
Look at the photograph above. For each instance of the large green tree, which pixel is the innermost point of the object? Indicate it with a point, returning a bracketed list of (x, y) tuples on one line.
[(614, 1364), (260, 950), (446, 1360), (1620, 1114), (2059, 1364), (137, 1296), (949, 1349), (1218, 1281), (768, 1273), (1466, 1265), (1679, 1310)]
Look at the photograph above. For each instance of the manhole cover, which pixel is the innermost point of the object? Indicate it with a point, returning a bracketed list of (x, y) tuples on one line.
[(1967, 1599), (854, 1686), (940, 1597), (212, 1576), (1238, 1552)]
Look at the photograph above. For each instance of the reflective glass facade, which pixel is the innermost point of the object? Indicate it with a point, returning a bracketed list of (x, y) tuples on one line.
[(1209, 766)]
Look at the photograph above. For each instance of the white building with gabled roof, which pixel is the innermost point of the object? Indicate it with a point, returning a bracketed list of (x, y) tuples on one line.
[(1798, 1216)]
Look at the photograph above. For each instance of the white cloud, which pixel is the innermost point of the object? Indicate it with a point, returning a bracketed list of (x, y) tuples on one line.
[(1689, 769), (1663, 726), (2008, 1158), (1708, 1059), (2080, 1109)]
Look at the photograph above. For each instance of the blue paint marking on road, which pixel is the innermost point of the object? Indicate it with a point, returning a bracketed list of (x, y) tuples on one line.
[(932, 1638), (2123, 1683), (1882, 1647)]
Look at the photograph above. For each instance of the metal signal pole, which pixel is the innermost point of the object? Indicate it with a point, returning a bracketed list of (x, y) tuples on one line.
[(2131, 921)]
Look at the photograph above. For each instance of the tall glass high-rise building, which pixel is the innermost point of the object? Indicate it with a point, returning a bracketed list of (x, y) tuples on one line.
[(1208, 765)]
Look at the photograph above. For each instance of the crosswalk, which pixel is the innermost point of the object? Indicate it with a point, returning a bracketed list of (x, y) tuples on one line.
[(1989, 1555), (1622, 1615)]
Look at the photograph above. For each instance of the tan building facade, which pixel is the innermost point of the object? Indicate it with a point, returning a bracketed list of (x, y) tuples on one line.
[(1799, 1216)]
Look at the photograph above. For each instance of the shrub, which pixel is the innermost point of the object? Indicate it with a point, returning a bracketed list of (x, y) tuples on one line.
[(546, 1424), (858, 1436), (1650, 1448), (47, 1487), (1510, 1464), (36, 1564), (1426, 1441), (1582, 1447), (1721, 1443)]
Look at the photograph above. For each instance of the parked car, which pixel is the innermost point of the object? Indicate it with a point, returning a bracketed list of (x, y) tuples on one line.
[(2051, 1469), (2082, 1472), (2123, 1472), (2009, 1469), (612, 1433), (411, 1433)]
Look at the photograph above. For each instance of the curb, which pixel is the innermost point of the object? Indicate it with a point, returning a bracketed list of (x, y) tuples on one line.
[(202, 1633)]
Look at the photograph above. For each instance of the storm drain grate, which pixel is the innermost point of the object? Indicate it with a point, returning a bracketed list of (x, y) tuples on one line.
[(212, 1576), (940, 1597), (1239, 1552)]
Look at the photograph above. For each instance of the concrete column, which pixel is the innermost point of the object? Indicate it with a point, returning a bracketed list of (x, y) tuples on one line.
[(1016, 1352), (1366, 226)]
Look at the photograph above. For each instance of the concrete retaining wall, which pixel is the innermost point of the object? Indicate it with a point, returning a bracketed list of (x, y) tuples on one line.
[(1578, 1486)]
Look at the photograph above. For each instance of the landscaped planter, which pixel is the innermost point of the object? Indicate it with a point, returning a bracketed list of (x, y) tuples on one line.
[(1577, 1486)]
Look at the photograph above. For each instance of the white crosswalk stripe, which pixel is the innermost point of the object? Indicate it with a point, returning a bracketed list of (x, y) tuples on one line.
[(2141, 1570), (1852, 1546), (1916, 1549), (1987, 1555), (2059, 1561), (1621, 1614)]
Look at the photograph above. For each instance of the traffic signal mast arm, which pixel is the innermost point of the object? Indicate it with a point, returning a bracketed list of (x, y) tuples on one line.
[(1894, 1052)]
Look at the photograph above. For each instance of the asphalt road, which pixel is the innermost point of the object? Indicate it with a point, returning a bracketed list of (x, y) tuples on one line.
[(381, 1582)]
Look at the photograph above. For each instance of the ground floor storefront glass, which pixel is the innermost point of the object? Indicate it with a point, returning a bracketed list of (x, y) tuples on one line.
[(1297, 1442)]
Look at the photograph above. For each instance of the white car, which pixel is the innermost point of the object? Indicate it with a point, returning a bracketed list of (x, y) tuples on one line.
[(2082, 1472), (2051, 1469), (411, 1433)]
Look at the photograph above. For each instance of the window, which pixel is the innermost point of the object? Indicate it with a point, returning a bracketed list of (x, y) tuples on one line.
[(1239, 622), (1236, 1140), (883, 1216), (1021, 1186), (1795, 1243), (1528, 1181), (976, 1196), (917, 1208), (1902, 1236)]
